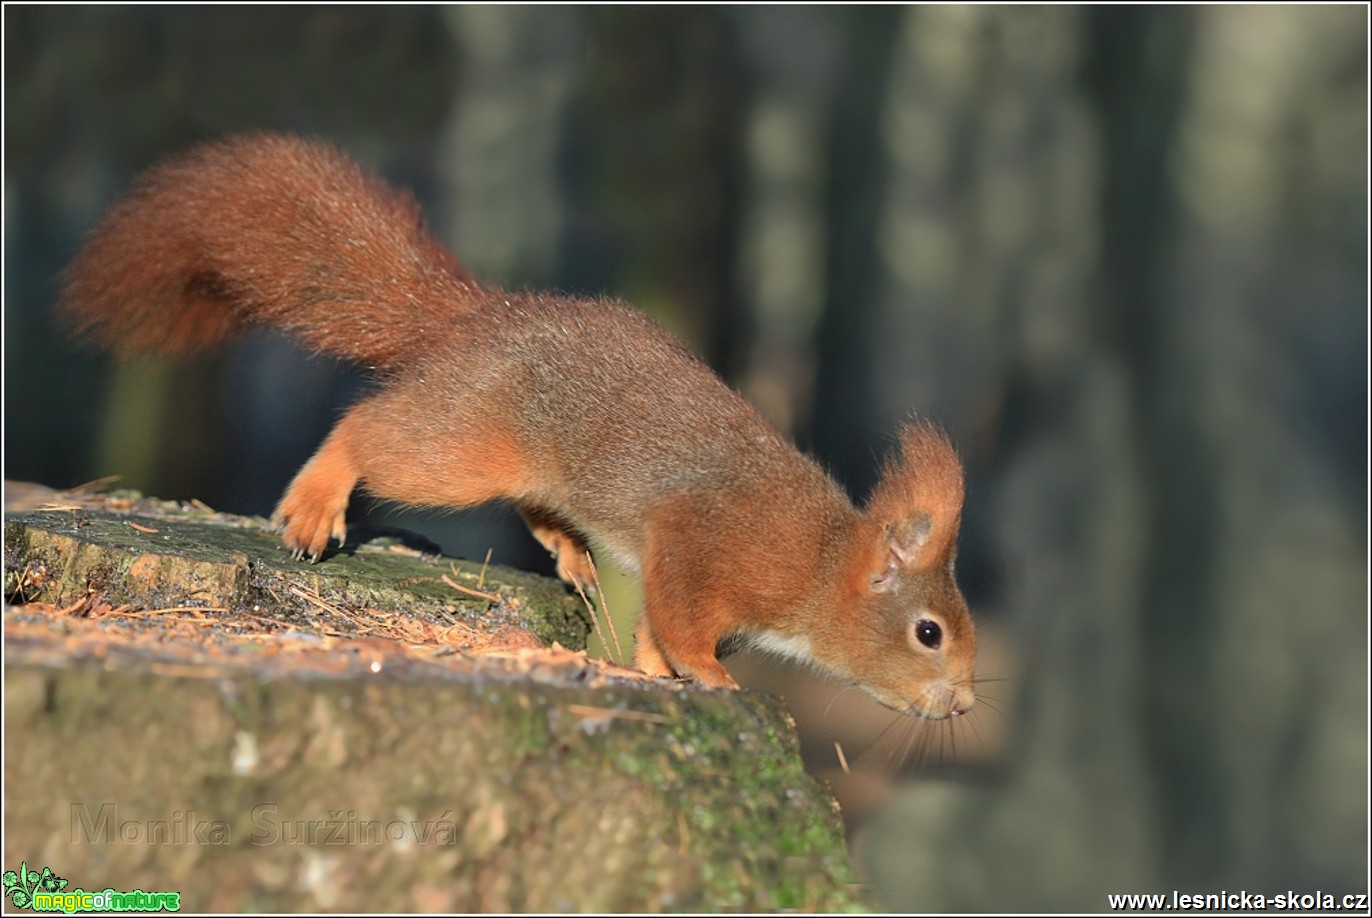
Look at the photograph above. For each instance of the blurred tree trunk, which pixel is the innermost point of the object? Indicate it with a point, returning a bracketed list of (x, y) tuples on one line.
[(846, 423), (987, 244), (499, 163), (1182, 573), (1270, 709), (795, 54), (660, 170)]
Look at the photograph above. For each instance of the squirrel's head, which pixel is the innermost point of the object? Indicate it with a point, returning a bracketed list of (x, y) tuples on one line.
[(905, 634)]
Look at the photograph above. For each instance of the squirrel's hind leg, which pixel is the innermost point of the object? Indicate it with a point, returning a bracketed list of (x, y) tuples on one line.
[(567, 546), (313, 507), (392, 446)]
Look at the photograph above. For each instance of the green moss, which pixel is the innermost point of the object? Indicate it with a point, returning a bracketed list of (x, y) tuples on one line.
[(237, 563)]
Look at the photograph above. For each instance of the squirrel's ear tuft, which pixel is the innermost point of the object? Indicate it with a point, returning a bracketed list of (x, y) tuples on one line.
[(918, 502)]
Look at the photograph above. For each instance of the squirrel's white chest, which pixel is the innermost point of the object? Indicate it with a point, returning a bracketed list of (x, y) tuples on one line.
[(792, 646)]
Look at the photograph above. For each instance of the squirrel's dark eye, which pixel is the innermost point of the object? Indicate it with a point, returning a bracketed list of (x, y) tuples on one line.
[(928, 633)]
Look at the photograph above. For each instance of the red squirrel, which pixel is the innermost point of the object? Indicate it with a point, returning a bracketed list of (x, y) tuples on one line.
[(600, 426)]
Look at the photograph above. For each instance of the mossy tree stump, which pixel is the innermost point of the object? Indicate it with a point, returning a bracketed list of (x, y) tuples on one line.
[(188, 709)]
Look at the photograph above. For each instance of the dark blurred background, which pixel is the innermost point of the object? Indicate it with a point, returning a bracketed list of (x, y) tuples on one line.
[(1119, 253)]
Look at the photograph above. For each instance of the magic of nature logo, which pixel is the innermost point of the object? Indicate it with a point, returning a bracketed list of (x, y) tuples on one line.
[(45, 891)]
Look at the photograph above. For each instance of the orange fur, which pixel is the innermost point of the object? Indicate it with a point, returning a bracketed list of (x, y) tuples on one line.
[(567, 546), (601, 427), (924, 480), (245, 230)]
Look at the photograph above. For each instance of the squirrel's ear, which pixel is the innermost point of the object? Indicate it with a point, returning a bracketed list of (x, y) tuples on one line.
[(900, 549), (917, 505), (907, 539)]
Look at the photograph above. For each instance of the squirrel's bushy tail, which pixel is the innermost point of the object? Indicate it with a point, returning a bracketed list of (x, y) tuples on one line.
[(267, 229)]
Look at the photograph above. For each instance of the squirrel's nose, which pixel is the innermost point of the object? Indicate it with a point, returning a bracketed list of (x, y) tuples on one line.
[(963, 699)]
